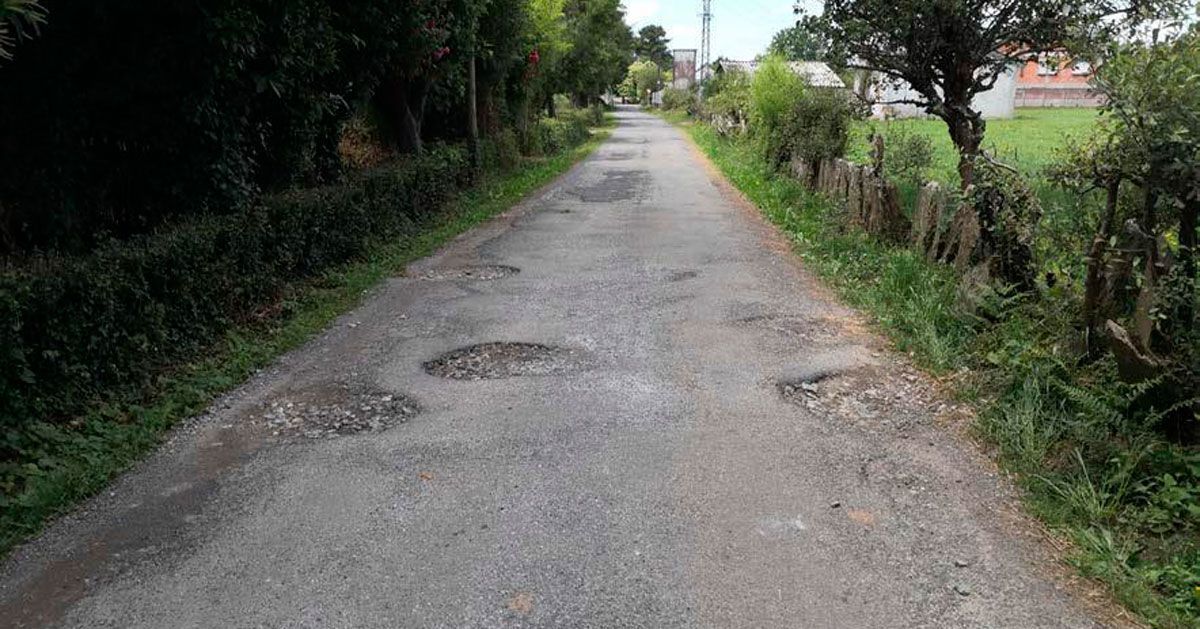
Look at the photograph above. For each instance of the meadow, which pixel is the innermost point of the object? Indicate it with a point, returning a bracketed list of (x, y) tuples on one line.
[(1030, 140)]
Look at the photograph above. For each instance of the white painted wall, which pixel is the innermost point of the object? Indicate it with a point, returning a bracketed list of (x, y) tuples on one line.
[(998, 102)]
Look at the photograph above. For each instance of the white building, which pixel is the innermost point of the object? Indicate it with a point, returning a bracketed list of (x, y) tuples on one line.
[(814, 73), (998, 102)]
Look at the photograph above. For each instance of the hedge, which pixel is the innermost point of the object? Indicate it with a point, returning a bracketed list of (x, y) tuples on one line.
[(80, 330)]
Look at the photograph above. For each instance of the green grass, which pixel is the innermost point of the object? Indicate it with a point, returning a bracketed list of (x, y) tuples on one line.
[(107, 440), (1028, 141), (1127, 499)]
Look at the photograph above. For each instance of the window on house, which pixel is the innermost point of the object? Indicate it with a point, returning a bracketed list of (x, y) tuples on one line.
[(1047, 66), (1081, 68)]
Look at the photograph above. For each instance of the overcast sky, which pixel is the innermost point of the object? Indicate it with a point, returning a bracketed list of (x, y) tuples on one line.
[(741, 29)]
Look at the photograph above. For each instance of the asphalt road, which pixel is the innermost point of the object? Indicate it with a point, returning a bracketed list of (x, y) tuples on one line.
[(649, 472)]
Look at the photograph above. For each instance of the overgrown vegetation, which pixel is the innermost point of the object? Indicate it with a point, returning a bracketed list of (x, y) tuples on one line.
[(1104, 440)]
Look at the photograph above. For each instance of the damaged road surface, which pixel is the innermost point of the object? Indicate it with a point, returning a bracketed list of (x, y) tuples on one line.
[(621, 404)]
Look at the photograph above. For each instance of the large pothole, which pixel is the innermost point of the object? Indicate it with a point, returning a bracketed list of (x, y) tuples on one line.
[(336, 410), (810, 329), (488, 361), (479, 273), (895, 396)]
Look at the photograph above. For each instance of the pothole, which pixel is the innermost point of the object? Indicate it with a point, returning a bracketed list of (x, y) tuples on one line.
[(892, 396), (617, 185), (803, 327), (335, 411), (681, 276), (488, 361), (481, 273)]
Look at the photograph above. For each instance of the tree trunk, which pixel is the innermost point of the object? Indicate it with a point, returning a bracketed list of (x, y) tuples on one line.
[(966, 128), (402, 103), (1093, 285), (967, 133), (1143, 323), (1187, 260)]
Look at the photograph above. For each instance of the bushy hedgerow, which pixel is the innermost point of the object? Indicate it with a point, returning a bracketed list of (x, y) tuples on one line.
[(818, 127), (675, 99), (551, 135), (75, 329)]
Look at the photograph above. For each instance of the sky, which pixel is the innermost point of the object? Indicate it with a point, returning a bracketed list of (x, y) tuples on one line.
[(741, 29)]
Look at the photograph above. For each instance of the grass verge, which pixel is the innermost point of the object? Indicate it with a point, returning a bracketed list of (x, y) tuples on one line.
[(109, 439), (1125, 496)]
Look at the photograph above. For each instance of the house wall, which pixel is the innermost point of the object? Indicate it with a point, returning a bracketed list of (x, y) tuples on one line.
[(998, 102), (1055, 83)]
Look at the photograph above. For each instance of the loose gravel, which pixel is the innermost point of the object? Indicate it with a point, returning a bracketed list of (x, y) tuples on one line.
[(336, 413), (502, 360), (481, 273)]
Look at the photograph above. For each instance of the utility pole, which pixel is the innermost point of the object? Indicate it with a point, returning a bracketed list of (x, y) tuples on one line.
[(705, 43)]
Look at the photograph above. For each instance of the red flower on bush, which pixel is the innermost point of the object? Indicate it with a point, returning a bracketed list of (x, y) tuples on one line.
[(534, 57)]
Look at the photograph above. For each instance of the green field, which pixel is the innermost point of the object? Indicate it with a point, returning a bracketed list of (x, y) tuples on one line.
[(1029, 141)]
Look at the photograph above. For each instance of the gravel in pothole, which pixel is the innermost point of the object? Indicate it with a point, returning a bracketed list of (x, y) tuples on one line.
[(864, 394), (336, 411), (807, 328), (502, 360), (481, 273)]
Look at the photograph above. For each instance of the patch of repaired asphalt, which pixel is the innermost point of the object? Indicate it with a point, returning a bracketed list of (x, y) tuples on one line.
[(616, 185), (488, 361), (335, 411), (481, 273)]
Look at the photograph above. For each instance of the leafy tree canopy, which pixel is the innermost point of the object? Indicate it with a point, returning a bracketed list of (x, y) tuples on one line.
[(651, 44), (806, 41)]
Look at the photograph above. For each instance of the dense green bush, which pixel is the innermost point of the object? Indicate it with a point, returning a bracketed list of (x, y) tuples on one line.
[(727, 101), (551, 135), (675, 99), (132, 112), (501, 151), (817, 128), (908, 156), (775, 92)]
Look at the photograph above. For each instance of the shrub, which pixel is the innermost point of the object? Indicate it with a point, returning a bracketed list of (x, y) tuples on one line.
[(501, 150), (907, 157), (551, 135), (675, 99), (727, 102), (817, 129), (775, 92)]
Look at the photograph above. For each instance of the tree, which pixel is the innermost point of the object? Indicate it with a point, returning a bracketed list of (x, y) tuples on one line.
[(651, 44), (601, 49), (949, 51), (1149, 137), (644, 78), (805, 41)]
